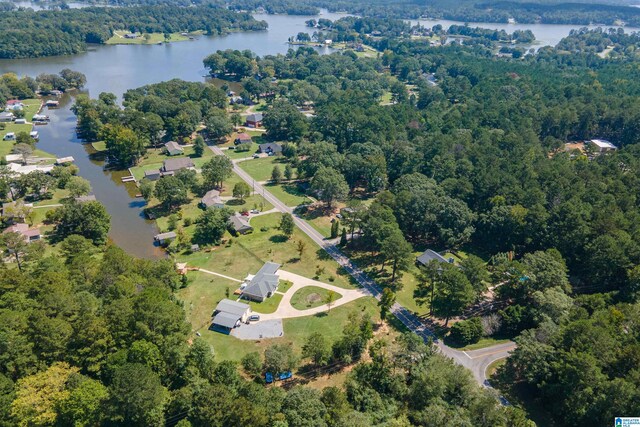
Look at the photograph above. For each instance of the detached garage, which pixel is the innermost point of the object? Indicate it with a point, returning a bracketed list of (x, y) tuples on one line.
[(229, 314)]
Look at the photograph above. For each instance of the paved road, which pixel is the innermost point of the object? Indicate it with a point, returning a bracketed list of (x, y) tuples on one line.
[(476, 361)]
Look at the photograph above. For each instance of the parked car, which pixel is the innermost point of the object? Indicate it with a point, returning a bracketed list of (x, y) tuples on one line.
[(255, 156), (254, 211), (254, 318), (244, 213)]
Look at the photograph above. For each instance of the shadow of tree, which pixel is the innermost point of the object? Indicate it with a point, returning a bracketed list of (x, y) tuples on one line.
[(236, 202), (278, 238)]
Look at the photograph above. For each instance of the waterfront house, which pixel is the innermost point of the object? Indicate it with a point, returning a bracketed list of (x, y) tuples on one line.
[(254, 120), (171, 166), (173, 148), (163, 238)]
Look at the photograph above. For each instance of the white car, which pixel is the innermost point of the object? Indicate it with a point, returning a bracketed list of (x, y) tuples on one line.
[(254, 211)]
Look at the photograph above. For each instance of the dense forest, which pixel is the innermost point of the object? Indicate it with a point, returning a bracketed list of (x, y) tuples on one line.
[(63, 32)]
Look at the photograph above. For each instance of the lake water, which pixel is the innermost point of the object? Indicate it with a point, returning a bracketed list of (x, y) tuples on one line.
[(118, 68)]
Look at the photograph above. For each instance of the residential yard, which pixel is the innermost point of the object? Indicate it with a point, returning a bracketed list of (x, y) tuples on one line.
[(268, 306), (31, 107), (154, 38), (310, 297), (246, 254), (154, 158), (234, 154), (260, 169), (289, 193)]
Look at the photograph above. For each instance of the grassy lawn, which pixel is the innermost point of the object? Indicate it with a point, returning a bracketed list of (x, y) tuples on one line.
[(267, 306), (241, 154), (320, 219), (31, 107), (289, 193), (154, 158), (260, 169), (483, 343), (385, 99), (404, 296), (246, 254), (310, 297), (154, 38), (493, 367)]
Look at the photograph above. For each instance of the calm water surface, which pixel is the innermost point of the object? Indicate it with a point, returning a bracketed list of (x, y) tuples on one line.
[(118, 68)]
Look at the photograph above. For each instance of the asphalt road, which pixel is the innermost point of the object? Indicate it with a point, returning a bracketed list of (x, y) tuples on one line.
[(476, 361)]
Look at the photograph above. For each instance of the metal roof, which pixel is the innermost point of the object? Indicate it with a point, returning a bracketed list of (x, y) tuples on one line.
[(226, 320), (232, 307)]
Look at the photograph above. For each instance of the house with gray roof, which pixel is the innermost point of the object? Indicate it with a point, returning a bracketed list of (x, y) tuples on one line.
[(163, 238), (430, 255), (240, 225), (270, 148), (174, 165), (173, 148), (212, 199), (263, 284), (254, 120)]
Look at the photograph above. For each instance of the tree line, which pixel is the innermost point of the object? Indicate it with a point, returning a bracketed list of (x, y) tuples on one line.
[(48, 32)]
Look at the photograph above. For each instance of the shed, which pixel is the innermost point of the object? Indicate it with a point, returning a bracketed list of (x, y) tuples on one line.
[(152, 175), (241, 310), (226, 321), (173, 148), (21, 121)]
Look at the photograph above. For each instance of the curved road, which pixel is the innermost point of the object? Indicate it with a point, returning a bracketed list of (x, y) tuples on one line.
[(476, 361)]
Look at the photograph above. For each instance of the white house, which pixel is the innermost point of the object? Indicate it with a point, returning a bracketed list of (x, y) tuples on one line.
[(602, 145)]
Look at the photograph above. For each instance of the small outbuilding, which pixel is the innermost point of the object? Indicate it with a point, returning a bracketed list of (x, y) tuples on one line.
[(163, 238), (230, 314)]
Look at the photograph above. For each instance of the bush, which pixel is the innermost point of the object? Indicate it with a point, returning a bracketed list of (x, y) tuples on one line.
[(187, 222), (467, 331)]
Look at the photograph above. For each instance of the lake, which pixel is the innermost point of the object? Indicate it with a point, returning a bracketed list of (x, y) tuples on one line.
[(118, 68)]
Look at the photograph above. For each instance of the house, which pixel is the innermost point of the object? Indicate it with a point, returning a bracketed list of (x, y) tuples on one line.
[(263, 284), (163, 238), (212, 200), (6, 117), (430, 255), (83, 199), (30, 235), (171, 166), (243, 138), (131, 36), (21, 121), (602, 145), (14, 103), (173, 148), (229, 314), (270, 148), (240, 225), (254, 120)]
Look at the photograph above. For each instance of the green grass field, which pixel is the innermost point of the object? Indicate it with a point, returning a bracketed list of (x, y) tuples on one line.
[(288, 193), (260, 169), (310, 297), (153, 38), (267, 306)]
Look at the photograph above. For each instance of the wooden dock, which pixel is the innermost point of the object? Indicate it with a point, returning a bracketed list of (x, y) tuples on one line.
[(128, 179)]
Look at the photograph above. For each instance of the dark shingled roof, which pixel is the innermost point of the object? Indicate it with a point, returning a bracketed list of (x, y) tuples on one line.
[(264, 283)]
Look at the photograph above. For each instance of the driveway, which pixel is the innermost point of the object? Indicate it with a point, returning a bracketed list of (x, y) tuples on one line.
[(286, 310), (259, 330)]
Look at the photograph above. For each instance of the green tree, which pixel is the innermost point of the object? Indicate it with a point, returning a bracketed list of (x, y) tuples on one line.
[(288, 172), (335, 229), (467, 331), (279, 358), (475, 269), (78, 186), (199, 146), (210, 226), (15, 246), (216, 170), (85, 404), (171, 191), (329, 185), (252, 364), (287, 225), (241, 190), (452, 294), (329, 299), (217, 124), (317, 348), (303, 407), (123, 145), (343, 238), (89, 219), (284, 122), (396, 249), (387, 299), (137, 396), (147, 188), (276, 174), (38, 395)]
